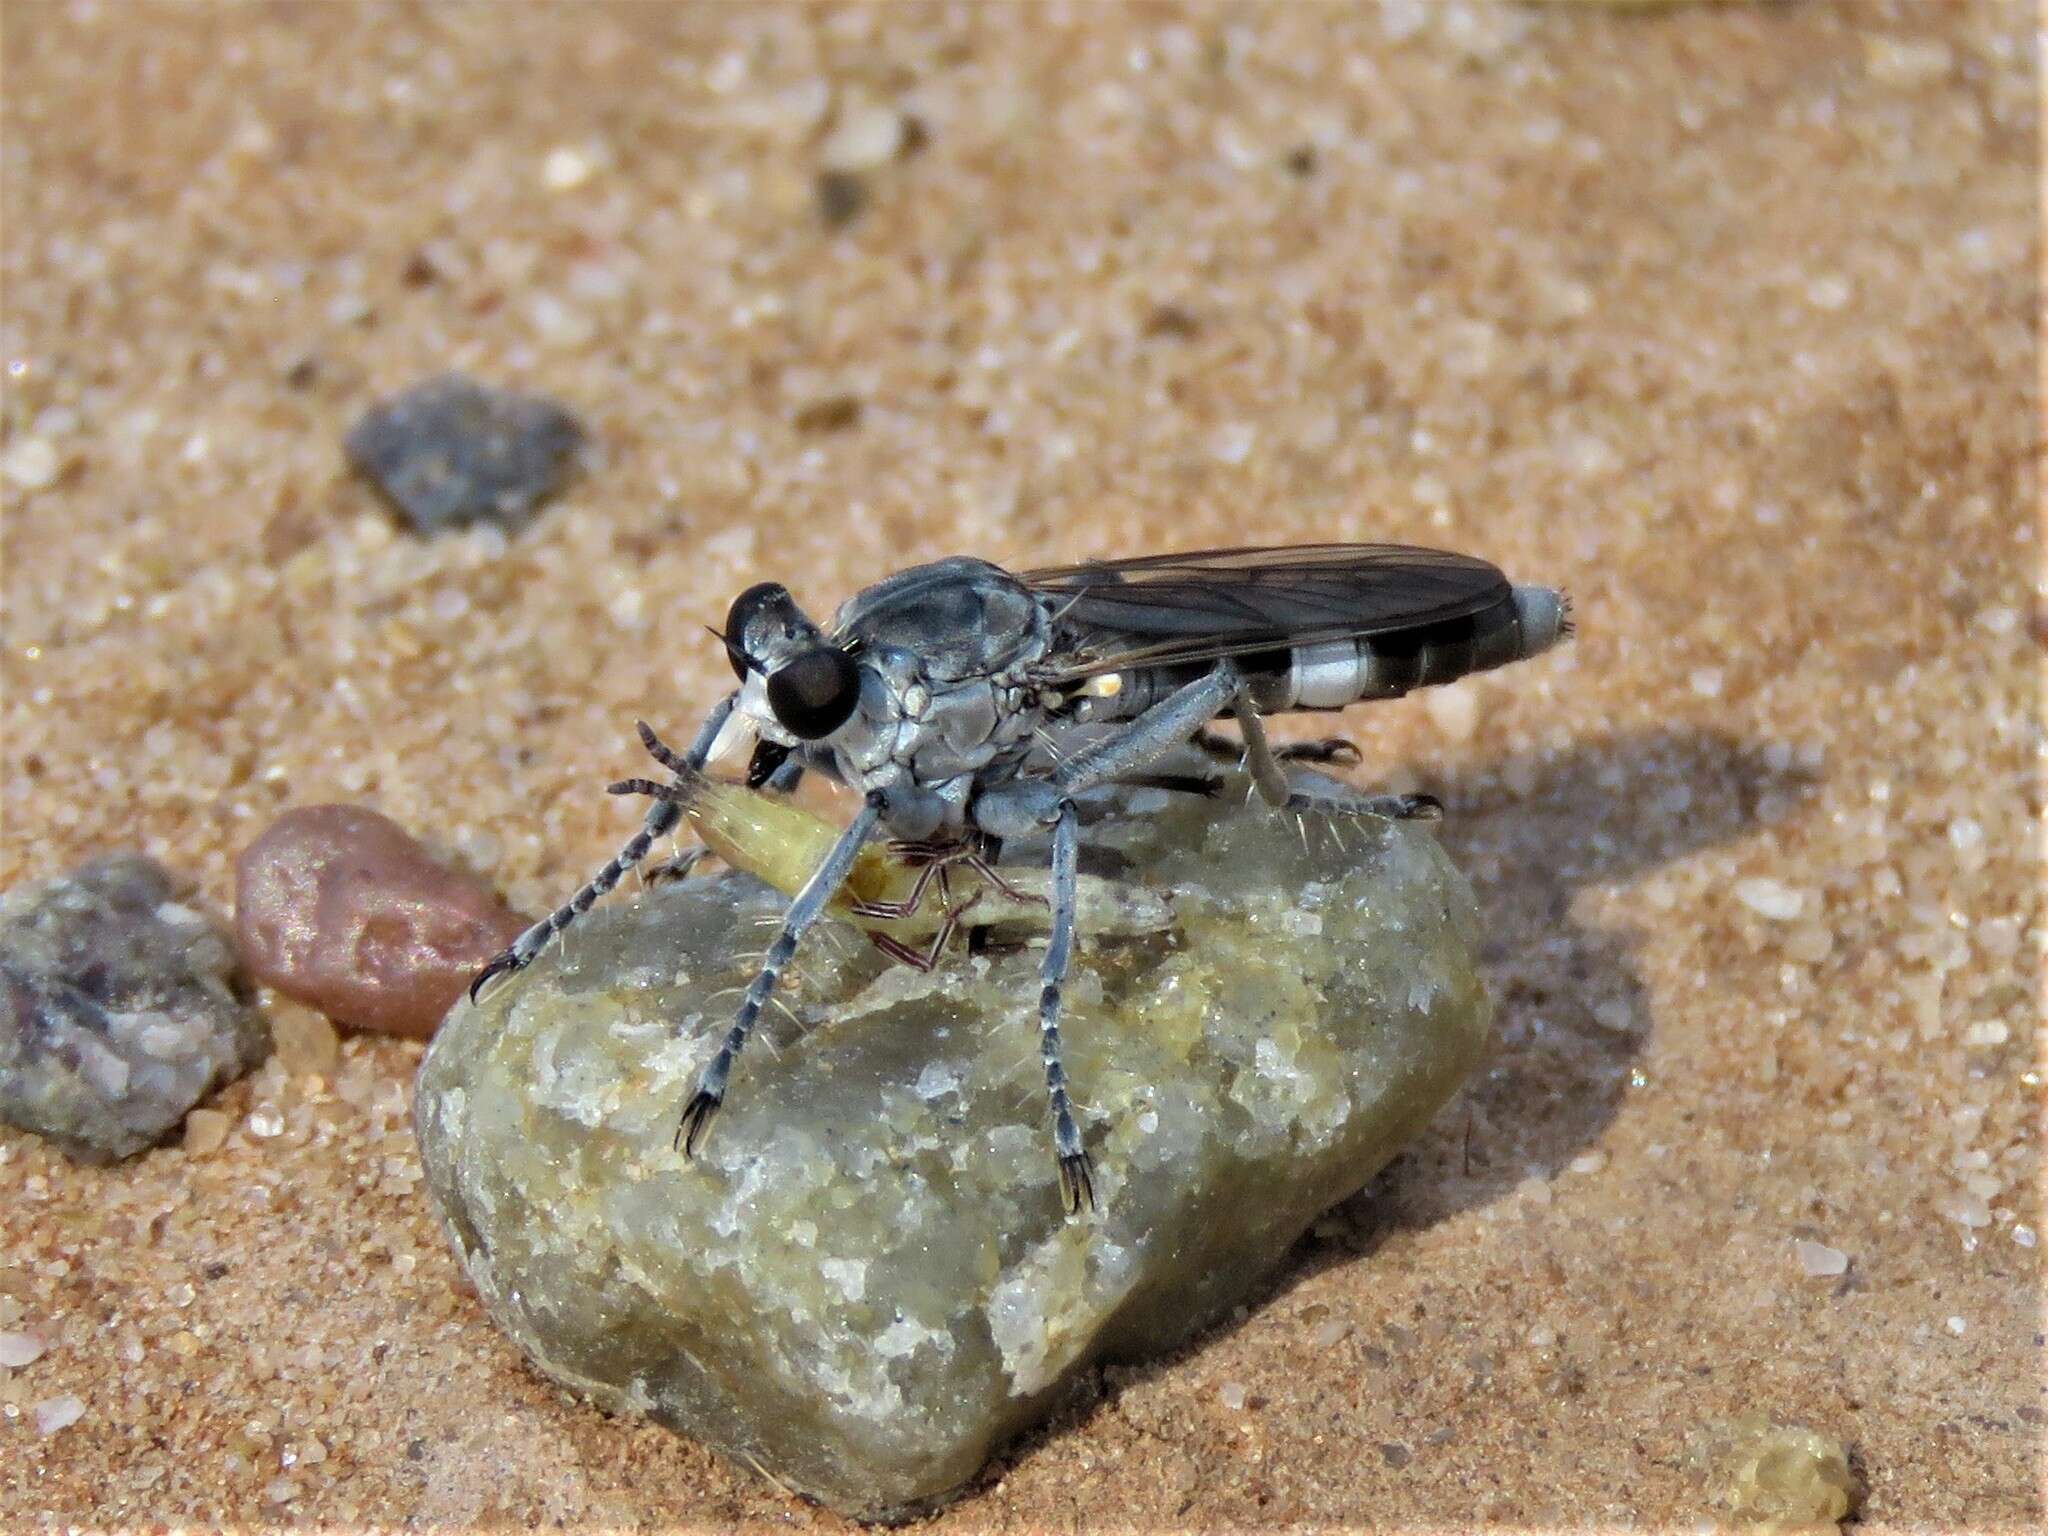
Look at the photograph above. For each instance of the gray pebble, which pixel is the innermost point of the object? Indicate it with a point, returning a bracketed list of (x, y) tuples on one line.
[(452, 451), (120, 1010)]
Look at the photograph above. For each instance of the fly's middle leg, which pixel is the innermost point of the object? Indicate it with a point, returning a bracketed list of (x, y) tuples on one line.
[(809, 904), (1025, 806), (1077, 1174)]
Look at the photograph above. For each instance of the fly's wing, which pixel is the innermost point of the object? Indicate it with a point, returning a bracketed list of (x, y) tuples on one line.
[(1163, 609)]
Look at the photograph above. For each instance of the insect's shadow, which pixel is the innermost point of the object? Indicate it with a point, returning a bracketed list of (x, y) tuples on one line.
[(1571, 1014)]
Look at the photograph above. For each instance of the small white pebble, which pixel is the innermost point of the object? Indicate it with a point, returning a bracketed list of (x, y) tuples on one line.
[(1819, 1260), (1987, 1032), (559, 324), (1958, 1326), (1589, 1162), (1542, 1336), (1964, 834), (2000, 620), (55, 1413), (867, 135), (1770, 898), (1335, 1331), (32, 463), (1707, 681), (1233, 441), (1965, 1208), (266, 1120), (2023, 1235), (19, 1349), (1233, 1395), (568, 166), (1829, 293)]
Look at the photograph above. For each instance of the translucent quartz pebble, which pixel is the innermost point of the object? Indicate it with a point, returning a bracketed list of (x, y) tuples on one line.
[(1780, 1477), (120, 1008), (866, 1283), (452, 451)]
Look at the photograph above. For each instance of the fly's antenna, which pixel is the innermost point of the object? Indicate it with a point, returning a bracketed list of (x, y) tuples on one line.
[(1567, 626), (742, 663)]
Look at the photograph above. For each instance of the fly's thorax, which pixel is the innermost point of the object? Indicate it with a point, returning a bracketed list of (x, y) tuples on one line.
[(962, 619)]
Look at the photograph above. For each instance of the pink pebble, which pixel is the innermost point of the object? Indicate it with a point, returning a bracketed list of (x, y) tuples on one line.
[(337, 907)]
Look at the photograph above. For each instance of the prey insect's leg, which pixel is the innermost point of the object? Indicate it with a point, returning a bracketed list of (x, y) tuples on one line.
[(810, 902), (662, 819), (928, 957), (1077, 1174)]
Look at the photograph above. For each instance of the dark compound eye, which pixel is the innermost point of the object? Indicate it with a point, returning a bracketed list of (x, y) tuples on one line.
[(814, 694), (747, 607)]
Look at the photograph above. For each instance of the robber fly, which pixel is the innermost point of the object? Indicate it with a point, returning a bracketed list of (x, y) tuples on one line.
[(966, 704)]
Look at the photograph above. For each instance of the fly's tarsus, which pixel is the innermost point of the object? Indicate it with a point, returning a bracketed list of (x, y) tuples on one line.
[(1331, 751), (647, 787), (1077, 1183), (696, 1122), (504, 961)]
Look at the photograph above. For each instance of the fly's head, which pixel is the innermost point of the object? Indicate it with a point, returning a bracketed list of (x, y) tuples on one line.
[(796, 686)]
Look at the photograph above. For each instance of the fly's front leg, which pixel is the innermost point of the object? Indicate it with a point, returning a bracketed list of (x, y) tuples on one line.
[(1277, 791), (662, 818), (810, 902)]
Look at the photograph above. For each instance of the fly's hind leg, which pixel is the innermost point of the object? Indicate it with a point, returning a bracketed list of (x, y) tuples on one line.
[(662, 818), (1277, 791)]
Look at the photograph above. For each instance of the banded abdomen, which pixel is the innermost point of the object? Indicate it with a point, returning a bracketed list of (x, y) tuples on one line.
[(1330, 674)]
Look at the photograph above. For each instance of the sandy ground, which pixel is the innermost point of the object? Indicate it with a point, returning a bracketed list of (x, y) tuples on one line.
[(1721, 316)]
